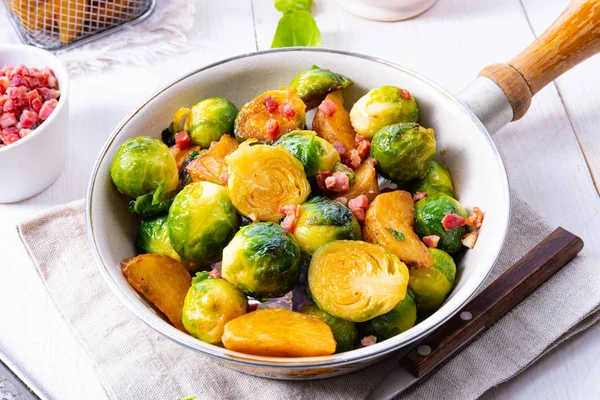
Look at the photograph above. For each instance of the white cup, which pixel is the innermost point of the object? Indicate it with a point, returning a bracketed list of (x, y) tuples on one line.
[(386, 10)]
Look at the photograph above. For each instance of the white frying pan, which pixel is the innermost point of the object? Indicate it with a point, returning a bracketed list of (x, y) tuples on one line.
[(463, 126)]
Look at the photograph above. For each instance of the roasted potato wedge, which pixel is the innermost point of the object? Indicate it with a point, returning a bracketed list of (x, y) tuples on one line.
[(337, 127), (33, 15), (182, 155), (389, 222), (162, 280), (71, 15), (210, 165), (279, 333), (365, 181)]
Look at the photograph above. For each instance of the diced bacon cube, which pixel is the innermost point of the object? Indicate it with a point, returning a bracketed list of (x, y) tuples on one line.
[(3, 99), (272, 129), (470, 239), (291, 214), (359, 138), (475, 220), (353, 160), (338, 183), (33, 82), (405, 94), (7, 120), (182, 139), (343, 200), (32, 94), (28, 119), (368, 341), (339, 147), (287, 110), (363, 149), (321, 177), (431, 241), (358, 206), (9, 135), (24, 132), (453, 221), (4, 84), (419, 196), (36, 105), (328, 108), (214, 274), (18, 80), (9, 105), (21, 70), (270, 103), (47, 109)]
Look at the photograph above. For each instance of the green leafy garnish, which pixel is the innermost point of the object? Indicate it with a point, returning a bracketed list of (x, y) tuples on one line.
[(287, 6), (396, 234), (297, 28), (150, 204)]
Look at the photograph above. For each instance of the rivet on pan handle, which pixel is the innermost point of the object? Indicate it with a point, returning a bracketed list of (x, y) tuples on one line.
[(494, 302)]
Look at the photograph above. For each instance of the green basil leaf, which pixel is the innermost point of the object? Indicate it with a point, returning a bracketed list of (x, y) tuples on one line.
[(297, 29), (396, 234), (287, 6)]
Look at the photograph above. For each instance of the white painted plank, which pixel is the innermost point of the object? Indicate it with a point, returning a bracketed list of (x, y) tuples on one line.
[(32, 332)]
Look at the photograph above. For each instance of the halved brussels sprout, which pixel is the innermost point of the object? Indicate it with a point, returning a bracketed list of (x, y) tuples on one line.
[(209, 304), (201, 222), (344, 332), (270, 115), (401, 318), (381, 107), (262, 179), (208, 120), (315, 153), (428, 221), (313, 85), (355, 280), (437, 180), (142, 165), (323, 220), (153, 238), (262, 260), (210, 165), (403, 151), (432, 285), (389, 223), (334, 126)]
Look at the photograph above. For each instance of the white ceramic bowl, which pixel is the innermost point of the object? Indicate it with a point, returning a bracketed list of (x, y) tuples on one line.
[(386, 10), (33, 163), (476, 166)]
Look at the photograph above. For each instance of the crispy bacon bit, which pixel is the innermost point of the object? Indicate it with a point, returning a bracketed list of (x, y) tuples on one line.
[(431, 240), (368, 341), (28, 119), (343, 200), (47, 109), (287, 110), (272, 129), (405, 94), (358, 206), (253, 307), (359, 138), (419, 196), (270, 103), (328, 108), (321, 176), (214, 274), (470, 239), (339, 147), (363, 149), (453, 221), (24, 132), (353, 160), (182, 139), (476, 219), (338, 183), (36, 105), (9, 135), (291, 214)]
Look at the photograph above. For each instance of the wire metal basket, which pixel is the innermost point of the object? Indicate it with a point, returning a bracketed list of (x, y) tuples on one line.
[(59, 24)]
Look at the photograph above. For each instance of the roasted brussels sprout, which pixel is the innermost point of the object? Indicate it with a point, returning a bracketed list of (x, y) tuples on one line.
[(389, 223), (323, 220), (262, 179), (210, 165), (201, 222), (262, 260), (344, 332), (153, 238), (279, 333), (432, 285), (209, 305), (429, 213), (401, 318), (207, 120), (437, 180), (403, 151), (142, 165), (313, 85), (334, 125), (355, 280), (315, 153), (381, 107), (269, 116)]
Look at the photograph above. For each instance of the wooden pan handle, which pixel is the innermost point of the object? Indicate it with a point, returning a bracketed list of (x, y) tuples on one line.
[(572, 38), (518, 282)]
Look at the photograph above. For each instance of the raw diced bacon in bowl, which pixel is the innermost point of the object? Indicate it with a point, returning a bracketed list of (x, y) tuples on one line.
[(28, 97)]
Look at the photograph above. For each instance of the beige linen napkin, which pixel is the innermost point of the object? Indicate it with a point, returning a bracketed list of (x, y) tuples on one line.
[(134, 362)]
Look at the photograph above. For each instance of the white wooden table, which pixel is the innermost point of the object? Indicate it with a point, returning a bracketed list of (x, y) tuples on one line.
[(552, 156)]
